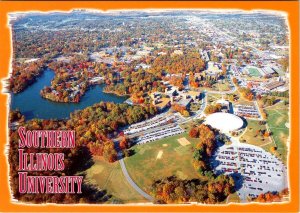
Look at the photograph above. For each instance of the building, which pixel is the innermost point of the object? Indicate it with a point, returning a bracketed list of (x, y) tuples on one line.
[(273, 85), (205, 55), (225, 105), (267, 70), (225, 122), (162, 103), (155, 95), (185, 102), (213, 71), (171, 91), (194, 95)]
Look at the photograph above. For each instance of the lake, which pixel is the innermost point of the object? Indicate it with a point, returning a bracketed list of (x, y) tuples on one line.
[(32, 105)]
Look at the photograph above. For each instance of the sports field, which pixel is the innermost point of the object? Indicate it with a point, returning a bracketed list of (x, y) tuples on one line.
[(162, 158), (254, 72), (277, 119)]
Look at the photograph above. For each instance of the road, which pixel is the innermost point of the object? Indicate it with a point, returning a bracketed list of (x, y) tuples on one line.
[(258, 110), (132, 183)]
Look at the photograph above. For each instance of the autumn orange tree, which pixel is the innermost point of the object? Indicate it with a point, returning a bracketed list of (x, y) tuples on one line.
[(213, 108), (24, 74), (94, 124), (246, 93), (235, 81), (181, 109), (174, 190), (204, 148), (271, 196)]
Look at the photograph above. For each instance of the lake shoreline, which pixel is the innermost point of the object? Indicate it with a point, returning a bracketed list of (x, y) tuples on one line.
[(32, 105)]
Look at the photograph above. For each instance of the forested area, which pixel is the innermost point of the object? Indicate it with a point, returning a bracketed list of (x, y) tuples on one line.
[(189, 61), (204, 149), (24, 74), (213, 108), (95, 125), (173, 190), (135, 83), (70, 82)]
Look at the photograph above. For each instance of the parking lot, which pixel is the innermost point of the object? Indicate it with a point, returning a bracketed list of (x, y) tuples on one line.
[(158, 127), (259, 171), (246, 111), (156, 121)]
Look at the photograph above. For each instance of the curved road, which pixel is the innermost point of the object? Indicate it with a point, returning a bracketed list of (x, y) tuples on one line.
[(132, 183)]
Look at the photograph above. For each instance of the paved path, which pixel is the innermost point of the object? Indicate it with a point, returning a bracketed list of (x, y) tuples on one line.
[(258, 110), (132, 183)]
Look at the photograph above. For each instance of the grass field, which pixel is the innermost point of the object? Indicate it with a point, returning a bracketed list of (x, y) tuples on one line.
[(213, 97), (277, 118), (254, 72), (242, 101), (144, 167), (221, 87), (109, 176), (251, 135), (233, 198)]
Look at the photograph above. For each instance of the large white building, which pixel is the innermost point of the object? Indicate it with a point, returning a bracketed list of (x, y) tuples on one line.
[(225, 122)]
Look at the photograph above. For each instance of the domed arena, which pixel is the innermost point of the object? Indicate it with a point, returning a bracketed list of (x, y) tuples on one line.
[(225, 122)]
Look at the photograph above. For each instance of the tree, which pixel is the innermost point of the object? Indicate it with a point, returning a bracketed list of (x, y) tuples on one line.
[(267, 133), (194, 133), (273, 149), (235, 81), (124, 143), (185, 113)]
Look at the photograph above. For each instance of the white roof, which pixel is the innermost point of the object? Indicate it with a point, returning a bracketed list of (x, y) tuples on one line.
[(224, 121), (222, 102)]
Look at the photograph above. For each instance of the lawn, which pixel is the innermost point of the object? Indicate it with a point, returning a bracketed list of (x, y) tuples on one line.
[(277, 118), (145, 166), (213, 97), (218, 86), (221, 87), (254, 72), (242, 101), (251, 135), (195, 107), (233, 198), (187, 126), (109, 176)]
